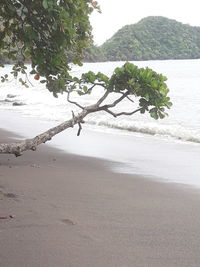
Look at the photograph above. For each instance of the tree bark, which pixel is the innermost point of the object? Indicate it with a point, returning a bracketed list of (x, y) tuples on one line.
[(17, 148)]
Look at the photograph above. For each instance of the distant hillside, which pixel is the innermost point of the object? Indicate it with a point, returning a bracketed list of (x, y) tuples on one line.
[(94, 54), (153, 38)]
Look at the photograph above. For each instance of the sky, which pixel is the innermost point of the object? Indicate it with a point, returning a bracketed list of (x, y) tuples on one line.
[(118, 13)]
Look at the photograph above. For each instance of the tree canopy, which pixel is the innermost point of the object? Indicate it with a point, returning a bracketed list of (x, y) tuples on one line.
[(48, 32), (54, 33)]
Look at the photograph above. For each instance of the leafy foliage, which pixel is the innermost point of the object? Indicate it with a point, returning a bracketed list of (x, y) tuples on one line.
[(143, 83), (129, 80), (46, 31), (153, 38)]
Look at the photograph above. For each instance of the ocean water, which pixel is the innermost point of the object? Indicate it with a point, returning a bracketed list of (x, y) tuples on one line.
[(165, 149), (183, 122)]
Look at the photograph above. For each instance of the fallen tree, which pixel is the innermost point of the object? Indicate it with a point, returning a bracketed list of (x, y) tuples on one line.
[(47, 32)]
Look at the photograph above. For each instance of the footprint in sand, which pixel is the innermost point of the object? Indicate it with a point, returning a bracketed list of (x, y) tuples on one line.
[(68, 222), (10, 195)]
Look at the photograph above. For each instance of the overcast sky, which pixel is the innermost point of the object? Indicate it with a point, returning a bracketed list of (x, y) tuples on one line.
[(118, 13)]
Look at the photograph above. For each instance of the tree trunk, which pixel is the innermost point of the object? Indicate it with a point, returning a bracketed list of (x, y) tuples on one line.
[(17, 148)]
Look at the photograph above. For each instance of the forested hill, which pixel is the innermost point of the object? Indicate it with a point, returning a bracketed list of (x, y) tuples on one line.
[(153, 38)]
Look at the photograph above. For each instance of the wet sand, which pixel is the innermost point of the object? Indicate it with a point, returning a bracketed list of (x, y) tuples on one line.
[(72, 210)]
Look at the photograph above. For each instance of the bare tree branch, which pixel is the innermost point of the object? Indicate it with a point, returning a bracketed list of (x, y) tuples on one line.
[(89, 91), (73, 119), (130, 99), (122, 113), (79, 129), (103, 98), (73, 102), (115, 102), (27, 79)]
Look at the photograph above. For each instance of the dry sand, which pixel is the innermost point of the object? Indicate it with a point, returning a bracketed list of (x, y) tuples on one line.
[(71, 211)]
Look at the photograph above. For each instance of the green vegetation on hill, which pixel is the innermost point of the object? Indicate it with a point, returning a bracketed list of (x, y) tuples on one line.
[(94, 54), (153, 38)]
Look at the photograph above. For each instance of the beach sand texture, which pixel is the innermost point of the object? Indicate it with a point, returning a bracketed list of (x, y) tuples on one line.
[(72, 211)]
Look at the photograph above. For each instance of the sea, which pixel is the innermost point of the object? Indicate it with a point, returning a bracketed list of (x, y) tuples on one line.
[(180, 128)]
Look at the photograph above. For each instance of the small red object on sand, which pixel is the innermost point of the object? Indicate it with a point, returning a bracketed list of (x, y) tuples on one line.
[(3, 217), (7, 217)]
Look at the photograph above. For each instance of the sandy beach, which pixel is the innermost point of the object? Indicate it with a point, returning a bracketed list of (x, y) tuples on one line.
[(71, 210)]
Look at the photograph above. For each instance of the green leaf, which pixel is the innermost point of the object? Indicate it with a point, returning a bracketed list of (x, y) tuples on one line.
[(85, 89), (45, 4), (164, 90), (154, 84), (33, 72), (161, 115), (169, 104), (154, 115), (43, 81)]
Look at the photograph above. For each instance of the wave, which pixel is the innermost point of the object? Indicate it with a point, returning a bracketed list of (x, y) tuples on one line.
[(59, 111), (166, 131)]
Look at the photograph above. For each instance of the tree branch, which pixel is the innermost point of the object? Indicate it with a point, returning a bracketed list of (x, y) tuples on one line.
[(79, 129), (112, 105), (17, 148), (130, 99), (122, 113), (103, 98), (73, 102)]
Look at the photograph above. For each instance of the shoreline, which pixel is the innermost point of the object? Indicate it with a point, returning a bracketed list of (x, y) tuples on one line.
[(163, 160), (71, 210)]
